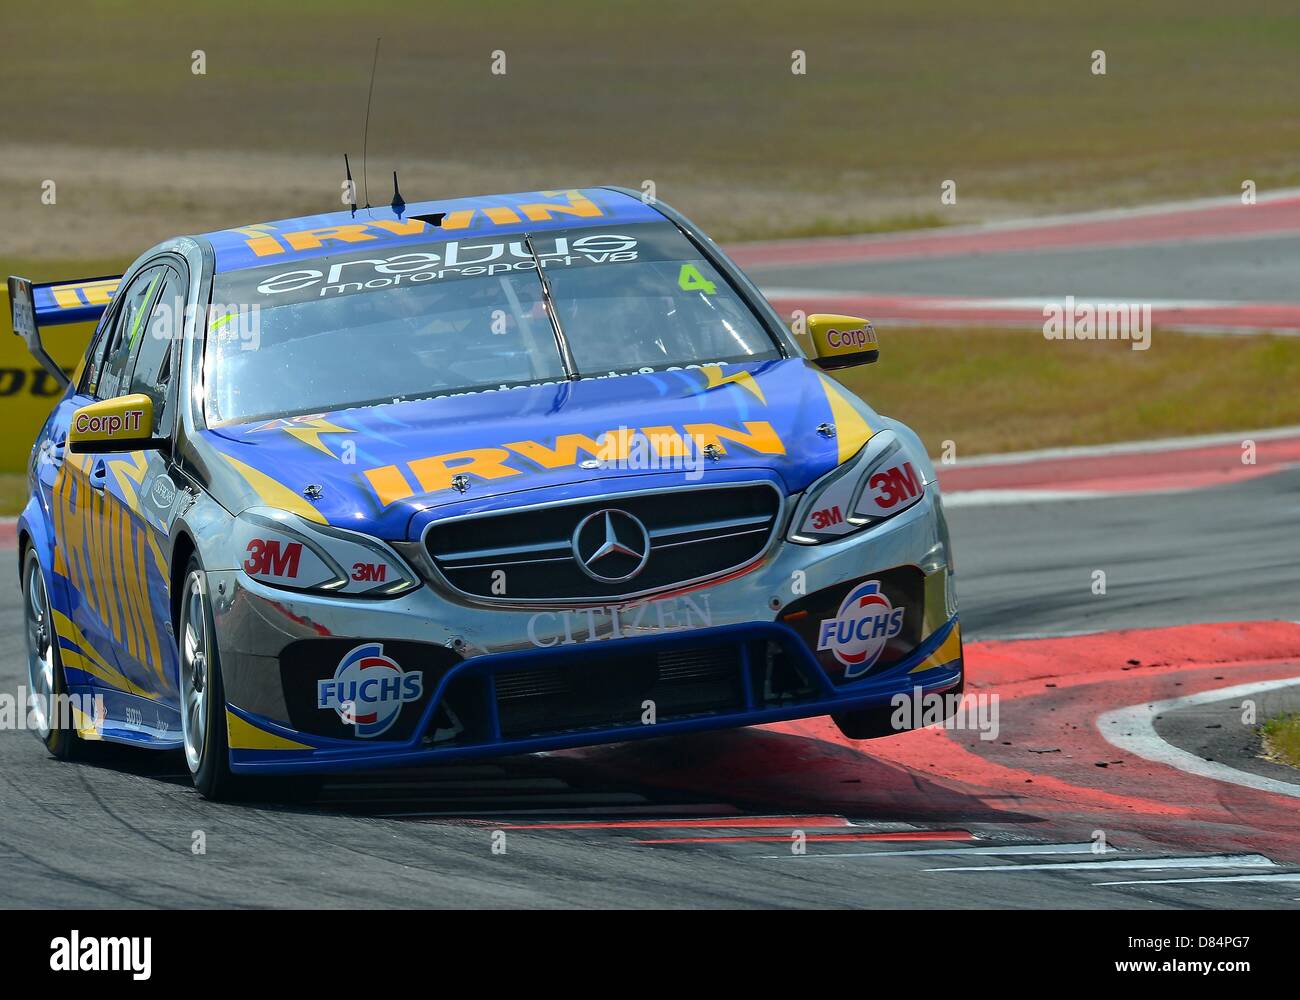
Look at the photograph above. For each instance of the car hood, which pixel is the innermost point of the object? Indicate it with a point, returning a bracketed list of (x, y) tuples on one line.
[(381, 469)]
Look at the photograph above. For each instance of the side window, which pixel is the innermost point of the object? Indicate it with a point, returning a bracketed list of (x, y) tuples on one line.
[(156, 359), (124, 336), (95, 354)]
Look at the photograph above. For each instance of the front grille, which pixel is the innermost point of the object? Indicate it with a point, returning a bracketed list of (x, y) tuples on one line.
[(613, 691), (527, 555)]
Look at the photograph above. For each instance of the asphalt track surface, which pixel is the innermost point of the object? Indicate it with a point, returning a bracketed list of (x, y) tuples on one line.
[(1249, 270), (1212, 266), (928, 819)]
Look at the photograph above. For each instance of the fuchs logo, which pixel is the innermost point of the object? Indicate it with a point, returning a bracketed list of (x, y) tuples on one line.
[(369, 689), (858, 632)]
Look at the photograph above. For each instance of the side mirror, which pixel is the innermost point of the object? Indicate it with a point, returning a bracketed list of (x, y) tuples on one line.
[(123, 423), (842, 341)]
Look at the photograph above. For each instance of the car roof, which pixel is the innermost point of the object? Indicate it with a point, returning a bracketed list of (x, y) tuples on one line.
[(375, 228)]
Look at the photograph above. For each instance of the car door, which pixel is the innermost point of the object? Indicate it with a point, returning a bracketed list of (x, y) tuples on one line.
[(89, 531), (138, 496)]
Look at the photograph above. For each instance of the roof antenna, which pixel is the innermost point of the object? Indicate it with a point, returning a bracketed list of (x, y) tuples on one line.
[(365, 136), (352, 188), (399, 205)]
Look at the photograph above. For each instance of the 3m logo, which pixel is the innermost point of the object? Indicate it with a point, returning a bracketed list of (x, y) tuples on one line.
[(822, 519), (896, 488), (267, 557), (369, 572)]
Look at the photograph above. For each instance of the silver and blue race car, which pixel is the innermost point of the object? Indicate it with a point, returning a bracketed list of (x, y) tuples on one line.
[(463, 479)]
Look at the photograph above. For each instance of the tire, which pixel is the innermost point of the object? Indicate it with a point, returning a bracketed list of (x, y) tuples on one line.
[(203, 712), (203, 700), (45, 677), (873, 723)]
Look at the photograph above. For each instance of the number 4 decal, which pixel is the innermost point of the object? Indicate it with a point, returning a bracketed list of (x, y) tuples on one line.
[(689, 279)]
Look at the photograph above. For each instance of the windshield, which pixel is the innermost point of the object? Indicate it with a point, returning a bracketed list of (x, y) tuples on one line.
[(464, 315)]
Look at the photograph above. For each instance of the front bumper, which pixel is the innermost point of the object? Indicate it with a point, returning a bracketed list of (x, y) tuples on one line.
[(740, 652)]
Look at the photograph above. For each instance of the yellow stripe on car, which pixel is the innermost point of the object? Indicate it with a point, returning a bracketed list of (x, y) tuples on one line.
[(949, 650), (276, 494), (851, 431), (246, 736)]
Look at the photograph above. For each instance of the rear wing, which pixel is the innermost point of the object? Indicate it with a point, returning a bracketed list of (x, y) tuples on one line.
[(33, 306)]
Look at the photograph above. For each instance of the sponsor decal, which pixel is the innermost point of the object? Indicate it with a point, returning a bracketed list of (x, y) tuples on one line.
[(163, 492), (435, 473), (671, 614), (861, 338), (368, 689), (896, 488), (825, 518), (15, 382), (865, 622), (272, 559), (368, 572), (456, 259), (109, 424), (265, 241)]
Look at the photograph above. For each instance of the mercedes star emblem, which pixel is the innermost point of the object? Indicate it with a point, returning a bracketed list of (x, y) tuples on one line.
[(611, 546)]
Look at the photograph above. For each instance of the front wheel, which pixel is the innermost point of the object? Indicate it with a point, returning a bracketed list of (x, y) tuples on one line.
[(203, 701)]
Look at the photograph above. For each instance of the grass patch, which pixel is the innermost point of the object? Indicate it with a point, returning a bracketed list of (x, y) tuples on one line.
[(825, 225), (13, 493), (701, 99), (1012, 390), (1282, 739)]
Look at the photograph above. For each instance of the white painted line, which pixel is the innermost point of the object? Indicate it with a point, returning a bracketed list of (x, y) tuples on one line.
[(1032, 305), (1127, 447), (1133, 729), (996, 498), (1039, 303), (1040, 221), (1145, 864), (1014, 850), (1279, 877)]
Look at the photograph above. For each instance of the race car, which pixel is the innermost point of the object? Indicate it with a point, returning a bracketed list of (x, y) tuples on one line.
[(465, 479)]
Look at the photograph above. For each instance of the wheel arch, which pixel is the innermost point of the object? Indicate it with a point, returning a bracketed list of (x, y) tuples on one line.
[(183, 548), (33, 530)]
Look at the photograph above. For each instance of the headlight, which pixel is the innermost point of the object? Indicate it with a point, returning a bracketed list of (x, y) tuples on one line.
[(284, 550), (882, 480)]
